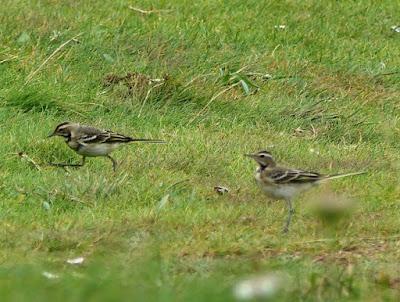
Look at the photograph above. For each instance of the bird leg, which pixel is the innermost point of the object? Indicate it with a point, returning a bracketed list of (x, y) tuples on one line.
[(289, 218), (63, 165), (114, 163)]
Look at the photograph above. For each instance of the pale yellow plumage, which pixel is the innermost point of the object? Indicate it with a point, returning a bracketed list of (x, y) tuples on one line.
[(284, 183)]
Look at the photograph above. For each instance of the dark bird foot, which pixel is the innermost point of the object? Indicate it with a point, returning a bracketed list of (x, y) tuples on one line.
[(285, 230)]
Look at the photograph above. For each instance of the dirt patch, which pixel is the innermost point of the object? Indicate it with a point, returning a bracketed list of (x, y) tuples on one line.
[(140, 87)]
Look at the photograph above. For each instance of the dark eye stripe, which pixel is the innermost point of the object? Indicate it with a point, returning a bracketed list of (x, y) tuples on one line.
[(63, 124)]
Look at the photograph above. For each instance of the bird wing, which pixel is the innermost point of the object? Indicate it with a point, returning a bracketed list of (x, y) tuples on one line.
[(91, 135), (284, 176)]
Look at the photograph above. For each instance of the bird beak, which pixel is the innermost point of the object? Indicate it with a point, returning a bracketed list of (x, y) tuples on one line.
[(249, 155), (50, 135)]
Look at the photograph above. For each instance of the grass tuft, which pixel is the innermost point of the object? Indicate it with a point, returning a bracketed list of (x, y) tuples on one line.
[(33, 100)]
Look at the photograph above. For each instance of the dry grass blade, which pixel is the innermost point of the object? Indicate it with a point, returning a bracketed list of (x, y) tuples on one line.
[(197, 77), (387, 73), (148, 12), (8, 59), (25, 157), (147, 97), (33, 73), (211, 100)]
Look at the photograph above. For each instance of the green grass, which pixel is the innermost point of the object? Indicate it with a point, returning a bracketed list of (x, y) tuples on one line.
[(334, 89)]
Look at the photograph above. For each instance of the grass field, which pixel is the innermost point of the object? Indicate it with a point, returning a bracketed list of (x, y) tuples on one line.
[(320, 92)]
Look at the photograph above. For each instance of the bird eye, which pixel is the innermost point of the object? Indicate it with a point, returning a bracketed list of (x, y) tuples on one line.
[(262, 155)]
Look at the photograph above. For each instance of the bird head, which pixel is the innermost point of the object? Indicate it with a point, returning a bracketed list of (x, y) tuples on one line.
[(263, 158), (64, 130)]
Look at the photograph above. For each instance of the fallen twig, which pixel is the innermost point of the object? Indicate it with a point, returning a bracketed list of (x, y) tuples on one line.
[(33, 73)]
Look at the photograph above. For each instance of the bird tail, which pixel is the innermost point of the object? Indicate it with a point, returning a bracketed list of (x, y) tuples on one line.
[(146, 140), (329, 177)]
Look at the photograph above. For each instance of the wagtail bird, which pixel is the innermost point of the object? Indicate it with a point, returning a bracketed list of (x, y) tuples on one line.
[(91, 142), (283, 183)]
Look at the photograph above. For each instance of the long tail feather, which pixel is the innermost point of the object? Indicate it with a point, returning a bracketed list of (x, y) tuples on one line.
[(329, 177), (146, 140)]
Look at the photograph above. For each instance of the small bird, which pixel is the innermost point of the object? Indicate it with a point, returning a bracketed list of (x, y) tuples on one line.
[(91, 142), (284, 183)]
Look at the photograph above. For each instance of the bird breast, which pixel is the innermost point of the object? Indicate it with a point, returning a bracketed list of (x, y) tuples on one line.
[(92, 150), (280, 191)]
